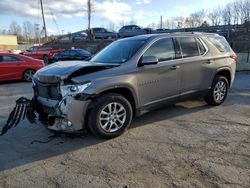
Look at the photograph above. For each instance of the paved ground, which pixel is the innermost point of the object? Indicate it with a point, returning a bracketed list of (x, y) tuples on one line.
[(186, 145)]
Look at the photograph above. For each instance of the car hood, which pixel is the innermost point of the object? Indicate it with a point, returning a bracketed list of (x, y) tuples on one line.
[(66, 70)]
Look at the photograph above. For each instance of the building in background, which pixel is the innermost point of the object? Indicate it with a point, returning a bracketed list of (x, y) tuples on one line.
[(8, 42)]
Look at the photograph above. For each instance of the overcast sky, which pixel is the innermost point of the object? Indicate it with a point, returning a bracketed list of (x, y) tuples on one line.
[(69, 15)]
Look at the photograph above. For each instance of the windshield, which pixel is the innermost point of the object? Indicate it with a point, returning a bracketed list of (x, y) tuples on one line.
[(118, 52)]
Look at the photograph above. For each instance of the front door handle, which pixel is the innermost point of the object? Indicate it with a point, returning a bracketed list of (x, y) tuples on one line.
[(174, 67)]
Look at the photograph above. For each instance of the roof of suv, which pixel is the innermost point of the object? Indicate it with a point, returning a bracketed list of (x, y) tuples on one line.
[(148, 36)]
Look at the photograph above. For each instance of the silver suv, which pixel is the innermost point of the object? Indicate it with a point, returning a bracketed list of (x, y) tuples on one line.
[(132, 76)]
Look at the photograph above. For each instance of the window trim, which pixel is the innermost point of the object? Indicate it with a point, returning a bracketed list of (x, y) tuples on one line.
[(204, 44)]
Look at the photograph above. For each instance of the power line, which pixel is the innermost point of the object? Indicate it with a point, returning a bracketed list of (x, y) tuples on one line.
[(54, 20)]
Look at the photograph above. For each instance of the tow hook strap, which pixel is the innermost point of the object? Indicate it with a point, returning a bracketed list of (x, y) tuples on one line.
[(20, 111)]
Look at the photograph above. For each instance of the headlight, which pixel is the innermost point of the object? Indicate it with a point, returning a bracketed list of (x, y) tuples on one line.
[(73, 89)]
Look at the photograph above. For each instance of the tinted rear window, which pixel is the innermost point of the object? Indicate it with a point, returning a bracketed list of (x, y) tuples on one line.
[(189, 46), (220, 43)]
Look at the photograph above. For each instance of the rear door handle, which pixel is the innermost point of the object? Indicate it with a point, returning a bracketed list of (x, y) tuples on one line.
[(174, 67)]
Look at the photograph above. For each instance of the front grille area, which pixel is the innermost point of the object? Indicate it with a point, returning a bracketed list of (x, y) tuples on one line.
[(47, 91)]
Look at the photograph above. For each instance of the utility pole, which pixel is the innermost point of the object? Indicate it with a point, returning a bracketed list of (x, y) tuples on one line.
[(161, 23), (44, 24), (89, 11)]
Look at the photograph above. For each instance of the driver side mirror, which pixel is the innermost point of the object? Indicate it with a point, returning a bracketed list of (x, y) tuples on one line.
[(149, 60)]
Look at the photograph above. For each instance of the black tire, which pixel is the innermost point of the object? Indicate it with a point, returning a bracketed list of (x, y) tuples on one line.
[(215, 98), (97, 108), (28, 75), (46, 59)]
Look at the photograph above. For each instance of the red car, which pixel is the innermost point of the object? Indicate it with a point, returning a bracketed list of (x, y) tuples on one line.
[(40, 52), (17, 67)]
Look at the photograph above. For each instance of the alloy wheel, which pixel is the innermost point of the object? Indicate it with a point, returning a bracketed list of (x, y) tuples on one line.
[(220, 90), (28, 75), (112, 117)]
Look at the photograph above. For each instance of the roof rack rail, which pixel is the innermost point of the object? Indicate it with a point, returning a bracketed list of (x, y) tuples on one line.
[(194, 32)]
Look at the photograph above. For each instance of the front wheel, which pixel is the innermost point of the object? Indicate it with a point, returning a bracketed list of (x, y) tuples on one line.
[(110, 115), (218, 92)]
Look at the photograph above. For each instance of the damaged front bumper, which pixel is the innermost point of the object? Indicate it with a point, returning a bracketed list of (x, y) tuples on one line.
[(67, 115)]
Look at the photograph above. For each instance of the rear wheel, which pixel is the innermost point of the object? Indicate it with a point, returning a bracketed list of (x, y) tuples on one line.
[(110, 116), (218, 92), (28, 75)]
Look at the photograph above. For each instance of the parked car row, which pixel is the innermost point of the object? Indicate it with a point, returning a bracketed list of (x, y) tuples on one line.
[(23, 66), (125, 31)]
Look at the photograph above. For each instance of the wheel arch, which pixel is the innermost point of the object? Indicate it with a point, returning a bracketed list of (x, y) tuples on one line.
[(126, 92), (226, 72)]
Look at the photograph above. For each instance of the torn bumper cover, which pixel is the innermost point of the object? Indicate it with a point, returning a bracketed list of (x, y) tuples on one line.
[(67, 115), (18, 113)]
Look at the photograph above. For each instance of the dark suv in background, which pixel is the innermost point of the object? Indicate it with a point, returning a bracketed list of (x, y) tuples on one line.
[(102, 33), (132, 30), (130, 77)]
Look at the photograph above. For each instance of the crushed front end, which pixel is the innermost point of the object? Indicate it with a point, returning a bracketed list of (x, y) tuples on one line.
[(58, 102), (62, 107)]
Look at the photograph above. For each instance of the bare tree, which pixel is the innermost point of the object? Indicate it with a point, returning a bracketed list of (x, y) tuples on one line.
[(4, 32), (197, 18), (166, 24), (236, 12), (215, 16), (226, 14), (28, 30), (15, 29)]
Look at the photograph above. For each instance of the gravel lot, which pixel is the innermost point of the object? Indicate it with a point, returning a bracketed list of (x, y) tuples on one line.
[(186, 145)]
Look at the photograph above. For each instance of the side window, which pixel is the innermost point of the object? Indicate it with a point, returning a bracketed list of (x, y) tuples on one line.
[(163, 49), (73, 53), (220, 43), (66, 53), (31, 49), (202, 48), (189, 47), (45, 48), (9, 59)]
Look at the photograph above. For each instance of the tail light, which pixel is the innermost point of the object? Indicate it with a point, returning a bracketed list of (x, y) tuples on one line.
[(234, 57)]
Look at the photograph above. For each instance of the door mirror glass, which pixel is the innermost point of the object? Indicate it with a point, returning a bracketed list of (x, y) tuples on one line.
[(149, 60)]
